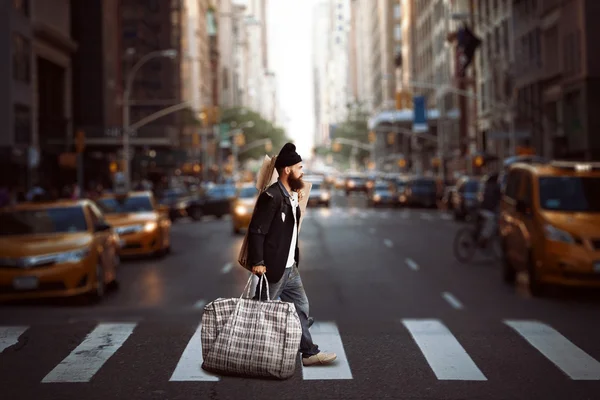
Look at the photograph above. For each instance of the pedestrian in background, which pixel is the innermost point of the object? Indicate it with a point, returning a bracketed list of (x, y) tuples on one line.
[(273, 246)]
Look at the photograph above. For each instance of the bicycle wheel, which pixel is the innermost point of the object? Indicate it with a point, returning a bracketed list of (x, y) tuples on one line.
[(465, 245)]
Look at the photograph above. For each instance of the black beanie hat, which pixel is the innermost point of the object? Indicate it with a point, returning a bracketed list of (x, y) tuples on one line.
[(287, 156)]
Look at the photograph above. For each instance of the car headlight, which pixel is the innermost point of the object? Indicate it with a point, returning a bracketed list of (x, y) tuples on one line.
[(72, 256), (241, 210), (325, 196), (402, 198), (558, 235), (377, 197), (150, 226)]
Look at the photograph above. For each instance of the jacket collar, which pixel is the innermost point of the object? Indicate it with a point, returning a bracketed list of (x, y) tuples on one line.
[(286, 194)]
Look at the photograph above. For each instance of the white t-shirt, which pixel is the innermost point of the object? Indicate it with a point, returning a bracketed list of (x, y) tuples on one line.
[(291, 261)]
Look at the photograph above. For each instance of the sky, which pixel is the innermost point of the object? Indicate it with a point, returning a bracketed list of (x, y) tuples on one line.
[(289, 24), (290, 56)]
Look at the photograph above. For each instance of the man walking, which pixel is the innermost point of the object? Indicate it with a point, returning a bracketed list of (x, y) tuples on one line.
[(273, 245)]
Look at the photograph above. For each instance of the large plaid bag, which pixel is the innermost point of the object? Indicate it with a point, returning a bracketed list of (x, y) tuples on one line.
[(246, 337)]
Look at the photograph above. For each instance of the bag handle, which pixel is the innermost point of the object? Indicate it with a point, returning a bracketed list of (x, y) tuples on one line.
[(260, 282)]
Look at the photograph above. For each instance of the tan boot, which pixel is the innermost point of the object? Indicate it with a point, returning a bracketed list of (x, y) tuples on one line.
[(320, 358)]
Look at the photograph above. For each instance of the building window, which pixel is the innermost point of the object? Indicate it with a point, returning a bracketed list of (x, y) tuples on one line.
[(398, 33), (22, 124), (21, 6), (21, 58), (397, 13)]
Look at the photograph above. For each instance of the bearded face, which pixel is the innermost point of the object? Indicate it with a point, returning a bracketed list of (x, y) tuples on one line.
[(295, 179)]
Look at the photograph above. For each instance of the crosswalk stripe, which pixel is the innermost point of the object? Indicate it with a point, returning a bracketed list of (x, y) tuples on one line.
[(444, 354), (189, 367), (573, 361), (87, 358), (327, 336), (9, 335)]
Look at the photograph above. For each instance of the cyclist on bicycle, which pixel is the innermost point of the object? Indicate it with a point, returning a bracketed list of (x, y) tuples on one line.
[(489, 207)]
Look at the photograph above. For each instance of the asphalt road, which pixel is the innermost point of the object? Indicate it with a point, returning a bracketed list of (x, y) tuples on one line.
[(406, 319)]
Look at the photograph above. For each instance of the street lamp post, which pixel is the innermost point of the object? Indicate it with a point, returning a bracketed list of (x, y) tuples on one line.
[(126, 103), (234, 145)]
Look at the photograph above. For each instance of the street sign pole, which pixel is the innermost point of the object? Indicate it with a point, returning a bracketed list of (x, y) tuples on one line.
[(79, 148)]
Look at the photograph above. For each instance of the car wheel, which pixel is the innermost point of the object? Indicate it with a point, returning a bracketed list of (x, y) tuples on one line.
[(535, 286), (114, 284), (509, 274), (99, 289), (196, 214)]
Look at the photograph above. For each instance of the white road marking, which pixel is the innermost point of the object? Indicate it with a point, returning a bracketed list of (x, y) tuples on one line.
[(445, 216), (9, 336), (189, 367), (426, 217), (453, 301), (388, 243), (200, 304), (372, 231), (405, 214), (87, 358), (444, 354), (326, 334), (573, 361), (411, 264), (226, 268)]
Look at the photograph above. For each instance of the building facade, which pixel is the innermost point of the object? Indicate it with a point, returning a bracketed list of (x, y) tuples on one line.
[(36, 96), (556, 79)]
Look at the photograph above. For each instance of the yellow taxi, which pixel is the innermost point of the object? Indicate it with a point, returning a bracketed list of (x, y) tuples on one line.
[(142, 224), (550, 224), (56, 249), (243, 207)]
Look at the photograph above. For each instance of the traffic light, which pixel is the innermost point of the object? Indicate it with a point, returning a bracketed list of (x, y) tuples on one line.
[(403, 100), (240, 139), (80, 141), (391, 138), (402, 163), (478, 161), (372, 137)]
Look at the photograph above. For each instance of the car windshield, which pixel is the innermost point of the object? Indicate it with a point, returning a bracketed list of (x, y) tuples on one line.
[(221, 191), (248, 192), (173, 194), (316, 186), (382, 186), (43, 221), (570, 193), (133, 204)]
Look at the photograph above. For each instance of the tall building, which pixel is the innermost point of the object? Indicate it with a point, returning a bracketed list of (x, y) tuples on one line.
[(556, 73), (151, 26), (361, 38), (240, 56), (97, 84), (256, 55), (495, 70), (227, 48), (408, 44), (35, 90), (376, 40), (331, 57), (320, 47)]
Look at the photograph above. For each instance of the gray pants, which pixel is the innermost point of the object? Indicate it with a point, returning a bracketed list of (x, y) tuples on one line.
[(290, 289)]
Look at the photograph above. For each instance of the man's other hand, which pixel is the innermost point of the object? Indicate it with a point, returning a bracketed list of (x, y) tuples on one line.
[(259, 270)]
